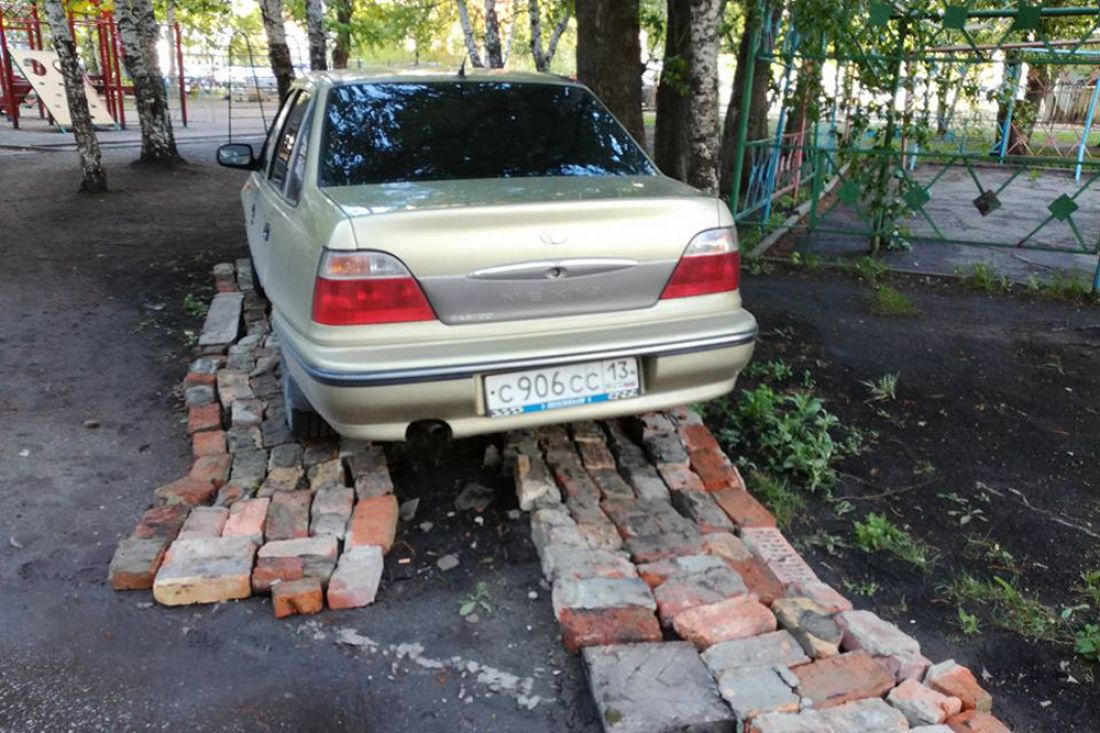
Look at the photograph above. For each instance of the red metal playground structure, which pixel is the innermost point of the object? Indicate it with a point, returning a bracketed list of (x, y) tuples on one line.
[(22, 27)]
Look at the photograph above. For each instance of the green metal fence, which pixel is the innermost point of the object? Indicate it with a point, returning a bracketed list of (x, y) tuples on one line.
[(929, 123)]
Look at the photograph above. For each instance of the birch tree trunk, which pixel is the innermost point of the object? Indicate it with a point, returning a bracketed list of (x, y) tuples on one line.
[(703, 82), (542, 57), (137, 29), (341, 49), (277, 49), (468, 33), (493, 51), (609, 58), (93, 179), (672, 138), (315, 27)]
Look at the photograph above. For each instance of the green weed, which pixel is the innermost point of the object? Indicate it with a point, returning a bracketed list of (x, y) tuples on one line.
[(981, 278), (1086, 642), (1009, 607), (877, 533), (195, 305), (784, 502), (883, 389), (888, 301), (776, 370), (968, 623)]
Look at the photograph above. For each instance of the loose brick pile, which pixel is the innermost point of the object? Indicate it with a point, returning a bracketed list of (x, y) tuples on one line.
[(693, 612), (258, 513)]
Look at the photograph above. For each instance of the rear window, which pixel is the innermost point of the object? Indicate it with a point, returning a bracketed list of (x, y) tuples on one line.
[(395, 132)]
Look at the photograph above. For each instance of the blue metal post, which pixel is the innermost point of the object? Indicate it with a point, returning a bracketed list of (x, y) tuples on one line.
[(1085, 135)]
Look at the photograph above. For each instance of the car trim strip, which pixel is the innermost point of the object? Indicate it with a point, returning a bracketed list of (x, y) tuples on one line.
[(465, 371)]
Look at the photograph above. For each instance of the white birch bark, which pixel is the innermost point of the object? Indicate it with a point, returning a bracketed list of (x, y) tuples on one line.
[(137, 29), (315, 26), (277, 49), (703, 82), (542, 57), (468, 33)]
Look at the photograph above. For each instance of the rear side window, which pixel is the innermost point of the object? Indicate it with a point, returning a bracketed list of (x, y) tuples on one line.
[(430, 131), (284, 144)]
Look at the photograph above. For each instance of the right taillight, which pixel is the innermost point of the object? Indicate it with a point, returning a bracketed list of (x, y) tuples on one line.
[(360, 288), (710, 264)]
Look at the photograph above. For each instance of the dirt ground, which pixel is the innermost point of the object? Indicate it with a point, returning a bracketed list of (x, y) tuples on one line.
[(92, 294), (996, 394)]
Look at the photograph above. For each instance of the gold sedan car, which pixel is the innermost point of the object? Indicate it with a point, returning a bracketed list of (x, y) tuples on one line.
[(482, 252)]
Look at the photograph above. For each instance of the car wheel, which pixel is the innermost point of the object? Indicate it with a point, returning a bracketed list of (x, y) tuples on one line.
[(301, 418)]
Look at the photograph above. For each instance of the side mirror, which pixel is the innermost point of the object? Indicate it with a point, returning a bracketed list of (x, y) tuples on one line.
[(238, 155)]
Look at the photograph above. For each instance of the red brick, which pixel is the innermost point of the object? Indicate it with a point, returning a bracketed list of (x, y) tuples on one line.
[(575, 482), (204, 521), (208, 443), (596, 456), (187, 490), (355, 582), (288, 515), (651, 548), (822, 594), (726, 546), (699, 438), (161, 521), (678, 477), (204, 417), (922, 705), (772, 548), (713, 469), (212, 469), (759, 579), (956, 680), (297, 597), (745, 511), (599, 627), (247, 518), (373, 522), (272, 570), (976, 721), (135, 563), (735, 618), (837, 680)]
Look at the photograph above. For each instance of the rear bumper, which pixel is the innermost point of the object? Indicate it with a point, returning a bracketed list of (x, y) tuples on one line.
[(380, 404)]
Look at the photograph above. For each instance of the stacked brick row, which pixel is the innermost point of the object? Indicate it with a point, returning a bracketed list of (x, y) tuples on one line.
[(258, 513), (693, 612)]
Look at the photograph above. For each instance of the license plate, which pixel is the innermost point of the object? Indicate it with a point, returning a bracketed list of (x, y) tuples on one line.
[(552, 388)]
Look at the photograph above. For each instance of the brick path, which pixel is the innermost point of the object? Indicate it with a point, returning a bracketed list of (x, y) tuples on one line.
[(690, 610)]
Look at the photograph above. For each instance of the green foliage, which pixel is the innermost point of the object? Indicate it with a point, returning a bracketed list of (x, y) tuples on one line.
[(891, 302), (1090, 586), (884, 388), (195, 305), (776, 370), (479, 598), (981, 277), (868, 268), (1009, 607), (876, 533), (968, 622), (784, 502), (1086, 642)]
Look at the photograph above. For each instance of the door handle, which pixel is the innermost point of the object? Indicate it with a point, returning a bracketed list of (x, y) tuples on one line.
[(266, 233)]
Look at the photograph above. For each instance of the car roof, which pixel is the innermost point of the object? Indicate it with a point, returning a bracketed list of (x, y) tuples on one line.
[(432, 74)]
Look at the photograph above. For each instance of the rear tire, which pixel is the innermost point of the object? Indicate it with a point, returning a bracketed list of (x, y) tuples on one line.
[(301, 418)]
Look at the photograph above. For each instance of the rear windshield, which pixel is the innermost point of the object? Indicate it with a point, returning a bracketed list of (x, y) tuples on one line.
[(394, 132)]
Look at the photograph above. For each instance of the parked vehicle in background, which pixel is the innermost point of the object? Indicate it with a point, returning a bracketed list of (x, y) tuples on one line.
[(482, 252)]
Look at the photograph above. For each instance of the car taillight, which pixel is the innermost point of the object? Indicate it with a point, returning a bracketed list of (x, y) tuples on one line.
[(358, 288), (710, 264)]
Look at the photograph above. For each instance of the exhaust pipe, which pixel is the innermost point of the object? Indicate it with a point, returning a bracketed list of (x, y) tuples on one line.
[(428, 431)]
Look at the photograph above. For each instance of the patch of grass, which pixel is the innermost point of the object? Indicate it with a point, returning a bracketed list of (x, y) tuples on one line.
[(784, 502), (869, 268), (981, 277), (890, 302), (1090, 586), (1086, 642), (876, 533), (990, 551), (1009, 607), (866, 588), (1068, 285), (883, 389), (776, 370), (968, 623), (195, 305), (831, 543)]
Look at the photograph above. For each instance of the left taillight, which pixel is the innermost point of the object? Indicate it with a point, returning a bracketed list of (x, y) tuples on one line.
[(361, 288), (710, 264)]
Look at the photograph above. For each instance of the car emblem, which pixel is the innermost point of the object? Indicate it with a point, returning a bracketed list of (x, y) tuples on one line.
[(551, 239)]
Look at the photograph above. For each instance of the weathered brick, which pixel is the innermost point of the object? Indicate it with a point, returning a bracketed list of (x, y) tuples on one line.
[(232, 492), (204, 417), (600, 627), (291, 478), (760, 579), (247, 518), (355, 582), (297, 597), (198, 394), (288, 515), (239, 439), (287, 455), (871, 715), (922, 705), (651, 548), (678, 477), (225, 280), (813, 627), (161, 521), (755, 692), (325, 473), (212, 469), (647, 483), (533, 482), (665, 448), (270, 571), (187, 490), (896, 650), (841, 679), (331, 510), (246, 413), (640, 517), (656, 573), (205, 570), (651, 424), (203, 370), (611, 484), (726, 546), (698, 439), (374, 522), (774, 649), (822, 594), (646, 687), (976, 721), (587, 431), (568, 561), (317, 556), (596, 456), (601, 593), (233, 386), (783, 560), (249, 467), (745, 511), (204, 521), (700, 507), (574, 481), (274, 430), (713, 469), (955, 680), (208, 443), (714, 623), (320, 451), (371, 474), (554, 526), (684, 592), (136, 561)]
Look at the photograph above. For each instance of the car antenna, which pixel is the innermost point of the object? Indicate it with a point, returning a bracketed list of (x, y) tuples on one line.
[(462, 68)]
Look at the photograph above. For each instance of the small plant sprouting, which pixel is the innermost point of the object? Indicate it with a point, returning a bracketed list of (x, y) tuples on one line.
[(891, 302), (968, 623), (1086, 642), (194, 305), (883, 389), (877, 533), (479, 598)]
